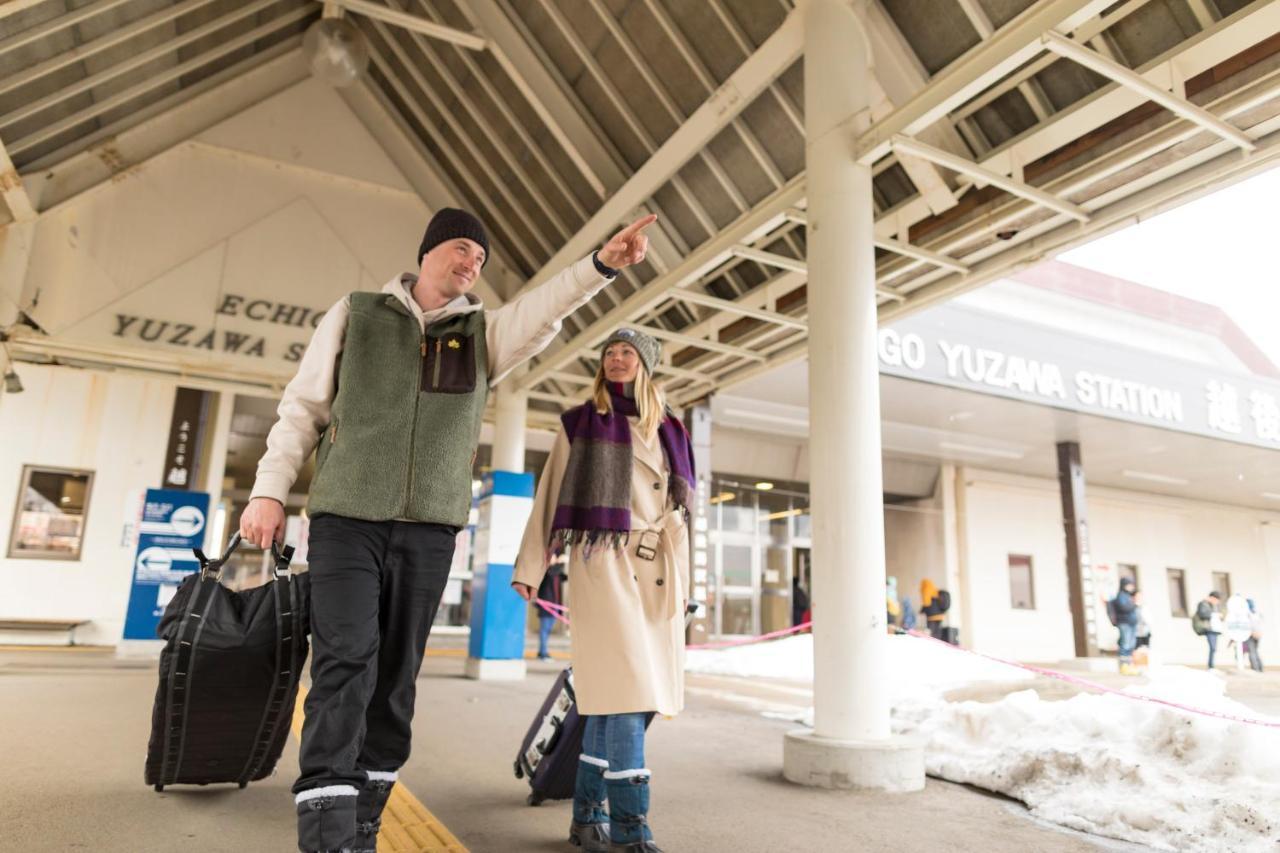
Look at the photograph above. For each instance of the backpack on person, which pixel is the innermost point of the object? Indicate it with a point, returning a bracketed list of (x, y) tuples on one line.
[(943, 601), (1113, 615), (1199, 623)]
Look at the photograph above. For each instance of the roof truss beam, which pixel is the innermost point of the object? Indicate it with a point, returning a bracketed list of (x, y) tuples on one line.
[(411, 22), (61, 22), (973, 170), (1009, 47), (1094, 61), (93, 48), (759, 221), (774, 56), (137, 60), (13, 190), (706, 300), (51, 131)]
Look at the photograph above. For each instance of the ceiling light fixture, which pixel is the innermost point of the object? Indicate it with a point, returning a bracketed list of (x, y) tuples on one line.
[(764, 485), (997, 452), (1155, 478)]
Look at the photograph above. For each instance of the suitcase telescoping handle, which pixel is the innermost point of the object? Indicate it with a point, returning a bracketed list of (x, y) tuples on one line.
[(281, 557)]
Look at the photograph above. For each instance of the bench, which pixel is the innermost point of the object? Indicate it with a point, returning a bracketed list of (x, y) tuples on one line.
[(68, 625)]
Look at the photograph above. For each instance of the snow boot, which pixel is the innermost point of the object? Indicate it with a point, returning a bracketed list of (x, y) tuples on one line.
[(327, 819), (369, 805), (629, 812), (589, 828)]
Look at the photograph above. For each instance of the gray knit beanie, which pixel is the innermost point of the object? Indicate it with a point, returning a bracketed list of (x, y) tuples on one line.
[(648, 348)]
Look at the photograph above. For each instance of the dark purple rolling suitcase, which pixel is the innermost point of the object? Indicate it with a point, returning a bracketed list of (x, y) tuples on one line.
[(549, 753)]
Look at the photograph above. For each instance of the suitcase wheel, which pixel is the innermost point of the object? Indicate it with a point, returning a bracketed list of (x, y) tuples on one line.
[(535, 799), (243, 785), (158, 787), (519, 770)]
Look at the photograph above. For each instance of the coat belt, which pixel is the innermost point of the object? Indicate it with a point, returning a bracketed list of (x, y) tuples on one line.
[(666, 529)]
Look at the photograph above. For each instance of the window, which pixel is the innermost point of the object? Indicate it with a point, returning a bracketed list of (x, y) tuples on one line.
[(49, 521), (1022, 591), (1222, 585), (1127, 570), (1177, 592)]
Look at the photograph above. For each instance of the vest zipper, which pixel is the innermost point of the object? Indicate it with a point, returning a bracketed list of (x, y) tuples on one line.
[(435, 370), (413, 431)]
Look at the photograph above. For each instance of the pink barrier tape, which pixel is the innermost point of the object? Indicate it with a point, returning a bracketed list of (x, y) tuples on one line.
[(1038, 670), (728, 644), (1101, 688), (551, 608)]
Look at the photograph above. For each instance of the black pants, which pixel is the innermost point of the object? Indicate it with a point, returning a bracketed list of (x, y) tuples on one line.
[(375, 587)]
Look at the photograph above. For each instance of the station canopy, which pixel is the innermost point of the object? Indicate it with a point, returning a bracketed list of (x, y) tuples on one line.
[(1001, 133)]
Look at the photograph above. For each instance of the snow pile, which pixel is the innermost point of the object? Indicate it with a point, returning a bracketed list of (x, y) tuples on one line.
[(1103, 764), (915, 669)]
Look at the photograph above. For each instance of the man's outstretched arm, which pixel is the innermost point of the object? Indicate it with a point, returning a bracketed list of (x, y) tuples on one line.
[(525, 326)]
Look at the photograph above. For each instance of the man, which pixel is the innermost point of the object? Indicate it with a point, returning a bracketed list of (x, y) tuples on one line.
[(393, 387), (1126, 615), (1208, 623)]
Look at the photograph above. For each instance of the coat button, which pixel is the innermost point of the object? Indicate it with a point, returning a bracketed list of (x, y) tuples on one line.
[(657, 485), (635, 577), (659, 581)]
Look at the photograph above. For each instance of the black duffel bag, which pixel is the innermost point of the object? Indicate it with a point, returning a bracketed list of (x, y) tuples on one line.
[(229, 675)]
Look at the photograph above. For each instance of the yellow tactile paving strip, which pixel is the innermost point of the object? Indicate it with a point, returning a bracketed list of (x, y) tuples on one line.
[(407, 825)]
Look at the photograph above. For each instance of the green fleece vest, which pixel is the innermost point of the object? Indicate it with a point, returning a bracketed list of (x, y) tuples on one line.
[(406, 417)]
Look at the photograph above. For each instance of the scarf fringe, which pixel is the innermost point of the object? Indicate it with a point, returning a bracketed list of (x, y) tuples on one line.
[(563, 540)]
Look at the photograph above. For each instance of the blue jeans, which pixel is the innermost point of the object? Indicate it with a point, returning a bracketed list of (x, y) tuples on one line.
[(545, 623), (617, 738), (1212, 637), (1128, 641)]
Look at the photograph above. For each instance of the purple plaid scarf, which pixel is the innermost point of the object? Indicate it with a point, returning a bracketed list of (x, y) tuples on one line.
[(594, 505)]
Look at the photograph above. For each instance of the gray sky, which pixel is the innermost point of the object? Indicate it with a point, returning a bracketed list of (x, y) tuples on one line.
[(1223, 249)]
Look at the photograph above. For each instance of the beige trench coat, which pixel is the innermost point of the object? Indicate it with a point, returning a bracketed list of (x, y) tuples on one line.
[(627, 613)]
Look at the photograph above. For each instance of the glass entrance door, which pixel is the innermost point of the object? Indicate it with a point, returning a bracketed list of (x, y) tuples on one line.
[(738, 558)]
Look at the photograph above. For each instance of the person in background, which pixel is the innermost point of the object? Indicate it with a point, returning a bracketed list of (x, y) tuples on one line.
[(550, 591), (1255, 636), (908, 615), (934, 604), (1207, 622), (1238, 628), (799, 602), (1126, 609), (893, 607)]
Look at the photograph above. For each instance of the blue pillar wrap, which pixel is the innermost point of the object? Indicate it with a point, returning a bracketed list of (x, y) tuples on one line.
[(497, 613), (172, 523)]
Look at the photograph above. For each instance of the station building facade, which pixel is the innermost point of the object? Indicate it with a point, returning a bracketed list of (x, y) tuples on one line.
[(152, 364)]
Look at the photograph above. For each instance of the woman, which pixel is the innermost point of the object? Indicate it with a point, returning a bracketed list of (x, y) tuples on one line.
[(615, 495)]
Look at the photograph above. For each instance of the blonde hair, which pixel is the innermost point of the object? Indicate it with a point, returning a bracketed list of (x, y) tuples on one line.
[(651, 403)]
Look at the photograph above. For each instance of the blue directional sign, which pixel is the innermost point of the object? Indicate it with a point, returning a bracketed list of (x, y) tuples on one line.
[(172, 524)]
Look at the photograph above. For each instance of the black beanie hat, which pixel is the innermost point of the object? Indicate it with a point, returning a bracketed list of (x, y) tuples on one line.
[(449, 223)]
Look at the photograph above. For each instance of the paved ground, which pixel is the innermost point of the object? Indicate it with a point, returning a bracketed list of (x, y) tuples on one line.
[(75, 727)]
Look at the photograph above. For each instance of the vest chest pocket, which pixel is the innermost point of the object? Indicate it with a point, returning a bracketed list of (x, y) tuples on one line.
[(449, 365)]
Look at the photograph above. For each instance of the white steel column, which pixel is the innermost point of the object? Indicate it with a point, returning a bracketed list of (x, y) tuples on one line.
[(511, 410), (850, 745), (216, 466)]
